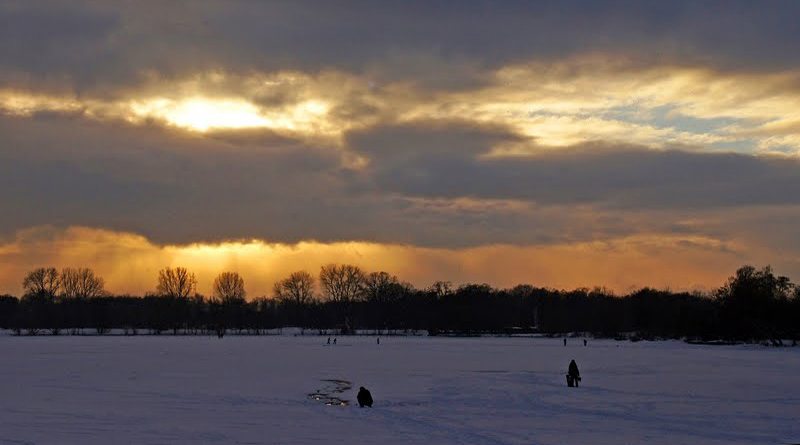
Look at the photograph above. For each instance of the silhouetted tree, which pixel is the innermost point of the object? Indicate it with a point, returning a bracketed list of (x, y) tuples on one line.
[(295, 294), (42, 282), (229, 288), (198, 313), (753, 304), (174, 287), (177, 282), (228, 300), (297, 289), (38, 309), (266, 313), (77, 283), (441, 288), (341, 283), (8, 311), (380, 287), (753, 301)]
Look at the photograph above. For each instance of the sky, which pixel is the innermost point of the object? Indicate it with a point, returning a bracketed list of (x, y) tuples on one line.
[(561, 144)]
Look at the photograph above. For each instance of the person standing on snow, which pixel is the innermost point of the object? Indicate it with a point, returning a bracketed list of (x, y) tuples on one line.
[(573, 373)]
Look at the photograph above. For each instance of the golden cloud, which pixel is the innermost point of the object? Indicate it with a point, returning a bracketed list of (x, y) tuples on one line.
[(555, 104), (290, 103)]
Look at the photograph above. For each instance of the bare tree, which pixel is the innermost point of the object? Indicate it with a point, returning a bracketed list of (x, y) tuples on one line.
[(441, 288), (297, 289), (81, 283), (43, 282), (380, 287), (177, 282), (341, 283), (229, 288)]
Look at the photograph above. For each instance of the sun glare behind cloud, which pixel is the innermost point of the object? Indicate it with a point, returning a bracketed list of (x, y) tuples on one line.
[(203, 114)]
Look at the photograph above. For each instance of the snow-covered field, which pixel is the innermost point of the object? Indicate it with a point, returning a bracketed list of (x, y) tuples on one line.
[(254, 390)]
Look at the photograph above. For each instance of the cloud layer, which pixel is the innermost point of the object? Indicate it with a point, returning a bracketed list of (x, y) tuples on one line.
[(449, 140)]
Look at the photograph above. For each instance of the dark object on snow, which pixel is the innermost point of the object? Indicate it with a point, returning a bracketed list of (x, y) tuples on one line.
[(573, 375), (565, 342), (584, 342), (379, 340), (334, 340), (329, 340), (364, 398)]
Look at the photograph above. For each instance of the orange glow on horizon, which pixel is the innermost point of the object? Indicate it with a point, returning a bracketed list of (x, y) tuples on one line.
[(129, 262)]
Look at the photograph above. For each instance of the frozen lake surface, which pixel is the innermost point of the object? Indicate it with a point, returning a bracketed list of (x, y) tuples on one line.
[(255, 390)]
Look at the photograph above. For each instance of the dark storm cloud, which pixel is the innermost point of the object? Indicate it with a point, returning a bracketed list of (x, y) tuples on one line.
[(444, 160), (176, 187), (170, 185), (424, 185), (43, 45), (439, 44)]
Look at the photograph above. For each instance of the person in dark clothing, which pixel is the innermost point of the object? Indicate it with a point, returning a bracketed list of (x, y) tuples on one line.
[(584, 342), (364, 398), (565, 342), (573, 373)]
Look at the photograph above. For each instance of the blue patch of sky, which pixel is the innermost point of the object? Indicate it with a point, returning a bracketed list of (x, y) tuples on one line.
[(786, 149), (737, 146), (664, 116), (667, 116)]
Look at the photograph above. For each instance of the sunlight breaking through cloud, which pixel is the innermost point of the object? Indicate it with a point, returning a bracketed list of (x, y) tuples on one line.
[(552, 105), (130, 262), (201, 114), (560, 144)]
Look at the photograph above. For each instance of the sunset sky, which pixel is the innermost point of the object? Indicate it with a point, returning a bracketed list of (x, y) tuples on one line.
[(561, 144)]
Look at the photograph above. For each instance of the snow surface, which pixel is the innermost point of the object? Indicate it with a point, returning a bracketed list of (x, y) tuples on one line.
[(254, 390)]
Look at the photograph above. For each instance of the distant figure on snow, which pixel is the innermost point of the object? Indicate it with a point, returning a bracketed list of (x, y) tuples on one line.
[(364, 398), (565, 342), (379, 340), (334, 340), (584, 342), (329, 340), (573, 375)]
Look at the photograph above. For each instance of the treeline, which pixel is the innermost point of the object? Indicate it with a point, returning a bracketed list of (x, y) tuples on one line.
[(753, 305)]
